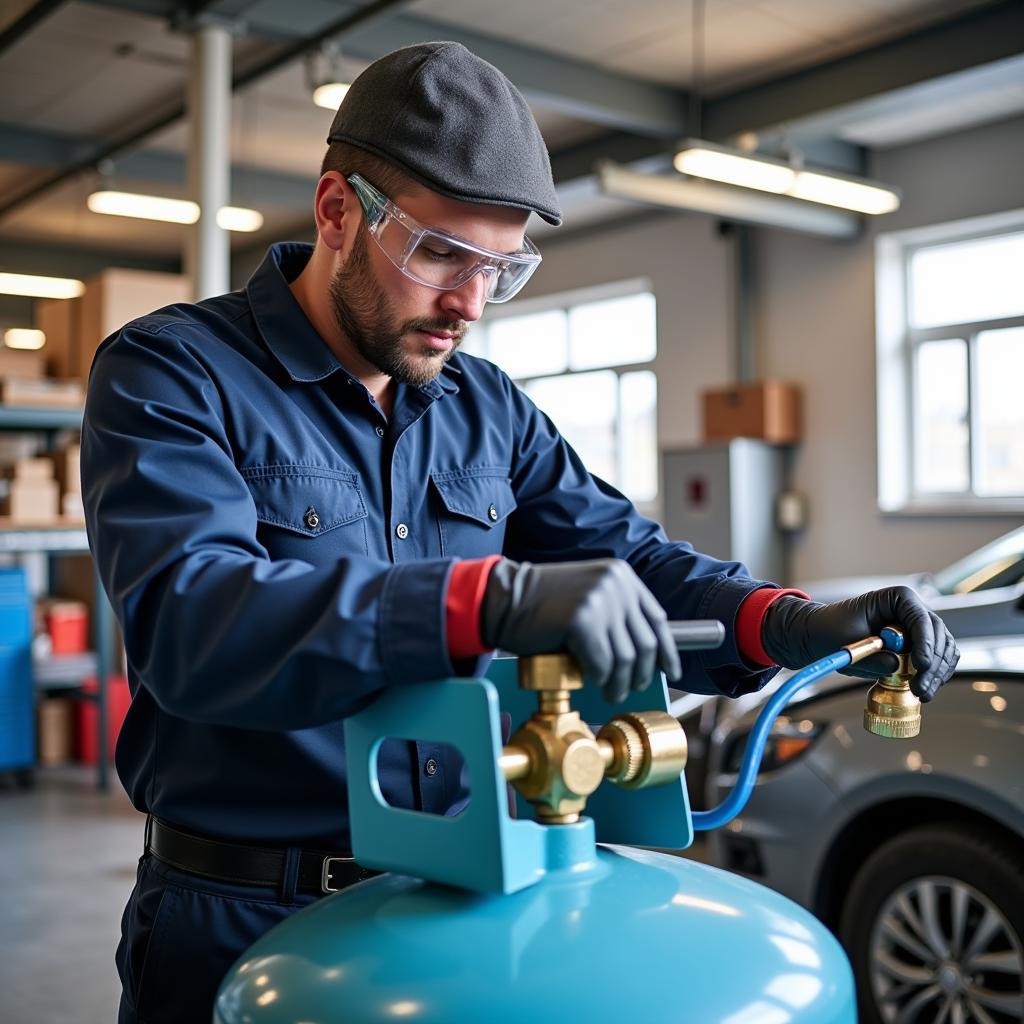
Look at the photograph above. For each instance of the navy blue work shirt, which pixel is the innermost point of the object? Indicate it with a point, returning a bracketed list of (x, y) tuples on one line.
[(277, 551)]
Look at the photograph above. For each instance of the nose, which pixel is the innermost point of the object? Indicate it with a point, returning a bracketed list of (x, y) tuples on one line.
[(469, 298)]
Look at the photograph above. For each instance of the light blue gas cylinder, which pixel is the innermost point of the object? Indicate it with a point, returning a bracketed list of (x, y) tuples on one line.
[(489, 919)]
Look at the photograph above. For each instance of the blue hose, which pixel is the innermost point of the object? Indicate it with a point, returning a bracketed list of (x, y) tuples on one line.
[(737, 799)]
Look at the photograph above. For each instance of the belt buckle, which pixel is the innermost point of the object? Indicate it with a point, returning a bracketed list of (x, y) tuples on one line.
[(325, 872)]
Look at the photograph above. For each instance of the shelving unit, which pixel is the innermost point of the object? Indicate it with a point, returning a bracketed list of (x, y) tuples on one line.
[(61, 538)]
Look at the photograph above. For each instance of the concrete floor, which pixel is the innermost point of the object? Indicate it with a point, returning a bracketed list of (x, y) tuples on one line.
[(67, 864)]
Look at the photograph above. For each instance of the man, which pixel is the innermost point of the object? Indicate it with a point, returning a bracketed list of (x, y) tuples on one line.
[(299, 494)]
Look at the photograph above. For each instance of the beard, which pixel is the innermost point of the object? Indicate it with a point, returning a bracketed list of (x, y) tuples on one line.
[(367, 317)]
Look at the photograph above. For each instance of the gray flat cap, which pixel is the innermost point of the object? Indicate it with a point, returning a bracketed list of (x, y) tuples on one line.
[(455, 123)]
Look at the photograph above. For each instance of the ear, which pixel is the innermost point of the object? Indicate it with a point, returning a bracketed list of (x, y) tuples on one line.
[(336, 210)]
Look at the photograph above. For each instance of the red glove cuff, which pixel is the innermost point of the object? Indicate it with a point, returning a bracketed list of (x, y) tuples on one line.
[(749, 619), (466, 586)]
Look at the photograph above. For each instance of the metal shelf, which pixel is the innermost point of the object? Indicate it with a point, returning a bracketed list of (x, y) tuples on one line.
[(31, 417), (64, 537), (59, 538)]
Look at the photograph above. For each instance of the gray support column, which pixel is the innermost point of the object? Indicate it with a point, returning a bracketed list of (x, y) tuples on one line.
[(207, 256)]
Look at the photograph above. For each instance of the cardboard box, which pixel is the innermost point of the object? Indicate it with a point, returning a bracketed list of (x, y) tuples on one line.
[(114, 297), (769, 410), (55, 720), (25, 363), (58, 320), (52, 394), (31, 501), (67, 468), (29, 469)]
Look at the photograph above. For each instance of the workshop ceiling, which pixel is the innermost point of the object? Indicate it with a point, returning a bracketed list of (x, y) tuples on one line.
[(605, 79)]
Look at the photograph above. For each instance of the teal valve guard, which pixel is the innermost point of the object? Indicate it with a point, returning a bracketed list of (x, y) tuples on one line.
[(484, 848)]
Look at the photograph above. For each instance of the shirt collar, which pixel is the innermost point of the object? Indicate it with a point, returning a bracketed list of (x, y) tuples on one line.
[(286, 329)]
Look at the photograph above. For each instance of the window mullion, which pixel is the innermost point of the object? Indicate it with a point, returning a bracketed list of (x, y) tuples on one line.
[(973, 409)]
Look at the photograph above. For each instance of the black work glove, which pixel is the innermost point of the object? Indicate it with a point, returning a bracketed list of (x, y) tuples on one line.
[(598, 610), (796, 632)]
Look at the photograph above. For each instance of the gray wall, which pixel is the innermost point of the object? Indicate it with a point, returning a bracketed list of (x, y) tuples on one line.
[(814, 324)]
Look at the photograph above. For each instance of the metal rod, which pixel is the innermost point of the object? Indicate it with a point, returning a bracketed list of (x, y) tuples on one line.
[(514, 763), (697, 634)]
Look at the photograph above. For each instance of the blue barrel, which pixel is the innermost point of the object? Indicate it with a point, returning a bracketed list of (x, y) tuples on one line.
[(609, 934)]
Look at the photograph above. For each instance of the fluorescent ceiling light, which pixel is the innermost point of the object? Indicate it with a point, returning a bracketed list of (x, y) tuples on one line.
[(238, 218), (330, 94), (171, 211), (850, 195), (130, 204), (40, 287), (709, 197), (734, 169), (24, 337), (716, 163)]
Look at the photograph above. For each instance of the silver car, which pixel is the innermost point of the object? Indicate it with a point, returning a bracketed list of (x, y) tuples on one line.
[(982, 594), (912, 851)]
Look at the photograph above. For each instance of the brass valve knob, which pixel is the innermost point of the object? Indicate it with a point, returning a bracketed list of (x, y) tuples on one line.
[(644, 748), (555, 760), (892, 710)]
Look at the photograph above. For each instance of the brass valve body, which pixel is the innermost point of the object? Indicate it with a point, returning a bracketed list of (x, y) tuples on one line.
[(892, 710), (555, 760)]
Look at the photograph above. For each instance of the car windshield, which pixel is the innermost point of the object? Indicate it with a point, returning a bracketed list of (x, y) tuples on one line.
[(998, 564)]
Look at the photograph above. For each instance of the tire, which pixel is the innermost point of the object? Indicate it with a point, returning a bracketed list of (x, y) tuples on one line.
[(934, 927), (25, 778)]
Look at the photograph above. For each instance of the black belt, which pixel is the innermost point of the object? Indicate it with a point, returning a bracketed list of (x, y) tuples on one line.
[(319, 871)]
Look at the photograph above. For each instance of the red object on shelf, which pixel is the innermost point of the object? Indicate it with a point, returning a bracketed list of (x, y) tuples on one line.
[(67, 622), (86, 738)]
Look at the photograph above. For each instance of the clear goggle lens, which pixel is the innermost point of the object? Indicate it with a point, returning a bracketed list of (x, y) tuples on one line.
[(436, 258)]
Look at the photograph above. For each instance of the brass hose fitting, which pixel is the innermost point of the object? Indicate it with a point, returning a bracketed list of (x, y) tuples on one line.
[(892, 710)]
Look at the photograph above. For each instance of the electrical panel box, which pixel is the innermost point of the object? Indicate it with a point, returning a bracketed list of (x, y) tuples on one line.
[(721, 497)]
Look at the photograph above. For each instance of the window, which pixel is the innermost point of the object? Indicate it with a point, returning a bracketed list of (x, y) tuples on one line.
[(586, 359), (951, 367)]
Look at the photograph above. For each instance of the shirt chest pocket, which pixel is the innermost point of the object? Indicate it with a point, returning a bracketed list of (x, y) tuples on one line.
[(473, 506), (308, 512)]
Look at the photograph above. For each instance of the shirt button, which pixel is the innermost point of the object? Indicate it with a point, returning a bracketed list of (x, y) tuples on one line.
[(312, 519), (493, 513), (430, 767), (380, 431), (401, 531)]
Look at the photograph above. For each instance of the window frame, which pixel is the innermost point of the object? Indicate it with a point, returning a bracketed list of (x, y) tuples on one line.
[(566, 301), (898, 344)]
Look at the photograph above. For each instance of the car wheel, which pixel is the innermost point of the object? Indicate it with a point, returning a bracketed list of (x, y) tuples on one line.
[(934, 926)]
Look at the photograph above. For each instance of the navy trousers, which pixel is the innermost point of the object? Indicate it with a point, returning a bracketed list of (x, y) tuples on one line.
[(179, 935)]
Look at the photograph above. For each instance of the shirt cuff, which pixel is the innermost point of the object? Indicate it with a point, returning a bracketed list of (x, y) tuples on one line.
[(466, 586), (750, 618)]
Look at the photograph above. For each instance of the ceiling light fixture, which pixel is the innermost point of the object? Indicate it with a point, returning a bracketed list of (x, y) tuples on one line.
[(718, 163), (170, 211), (36, 287), (324, 76), (24, 337), (330, 94)]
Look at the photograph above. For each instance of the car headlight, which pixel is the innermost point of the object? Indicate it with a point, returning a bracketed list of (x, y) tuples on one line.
[(789, 740)]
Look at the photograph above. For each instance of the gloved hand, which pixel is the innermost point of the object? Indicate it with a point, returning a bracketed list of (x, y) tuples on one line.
[(796, 632), (597, 610)]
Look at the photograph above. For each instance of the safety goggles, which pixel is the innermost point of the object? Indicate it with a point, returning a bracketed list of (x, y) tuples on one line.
[(436, 258)]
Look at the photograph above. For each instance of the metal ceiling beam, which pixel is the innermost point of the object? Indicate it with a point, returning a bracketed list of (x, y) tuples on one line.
[(177, 111), (981, 37), (26, 21), (559, 83)]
